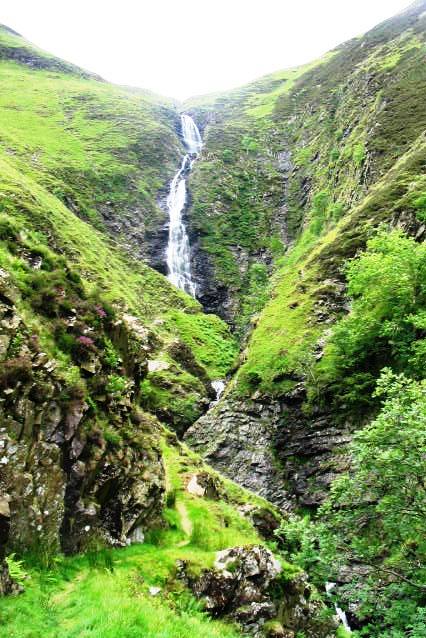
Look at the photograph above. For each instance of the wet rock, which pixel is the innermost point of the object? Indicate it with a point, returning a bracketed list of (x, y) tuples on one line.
[(237, 439)]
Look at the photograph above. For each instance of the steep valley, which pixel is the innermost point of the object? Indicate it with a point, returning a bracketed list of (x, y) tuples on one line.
[(178, 464)]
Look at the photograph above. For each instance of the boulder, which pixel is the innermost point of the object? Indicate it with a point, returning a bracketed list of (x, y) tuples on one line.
[(247, 585)]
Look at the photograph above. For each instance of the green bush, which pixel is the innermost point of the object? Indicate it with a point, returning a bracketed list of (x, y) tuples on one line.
[(387, 321), (116, 384), (111, 356), (227, 156), (375, 513), (16, 569), (358, 154)]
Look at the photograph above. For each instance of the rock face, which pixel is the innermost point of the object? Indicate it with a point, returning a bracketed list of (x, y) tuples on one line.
[(247, 585), (69, 478), (7, 586), (214, 296), (237, 439), (273, 448)]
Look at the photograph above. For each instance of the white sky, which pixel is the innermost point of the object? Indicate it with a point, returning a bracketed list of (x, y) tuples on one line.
[(183, 48)]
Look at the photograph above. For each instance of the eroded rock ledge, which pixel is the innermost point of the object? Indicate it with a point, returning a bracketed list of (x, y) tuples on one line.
[(250, 586), (273, 448)]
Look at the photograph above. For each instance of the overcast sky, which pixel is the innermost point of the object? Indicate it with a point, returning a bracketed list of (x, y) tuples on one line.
[(183, 48)]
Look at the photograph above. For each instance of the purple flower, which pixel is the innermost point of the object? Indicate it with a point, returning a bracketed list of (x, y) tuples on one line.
[(100, 312), (86, 341)]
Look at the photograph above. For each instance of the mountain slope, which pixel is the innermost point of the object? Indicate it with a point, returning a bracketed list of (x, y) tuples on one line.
[(106, 152), (348, 134), (307, 218), (301, 144), (330, 166), (93, 341)]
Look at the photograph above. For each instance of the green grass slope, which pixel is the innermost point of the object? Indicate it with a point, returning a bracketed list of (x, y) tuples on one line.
[(311, 279), (81, 165), (103, 150), (301, 148), (106, 593)]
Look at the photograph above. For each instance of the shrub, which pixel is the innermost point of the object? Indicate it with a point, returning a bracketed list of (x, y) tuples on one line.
[(375, 513), (64, 340), (116, 384), (111, 356), (14, 371), (358, 154), (16, 569), (249, 144), (15, 344), (387, 321), (112, 436), (83, 347), (227, 156)]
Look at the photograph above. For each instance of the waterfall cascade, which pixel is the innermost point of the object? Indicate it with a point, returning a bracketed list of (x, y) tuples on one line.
[(219, 387), (340, 613), (178, 253)]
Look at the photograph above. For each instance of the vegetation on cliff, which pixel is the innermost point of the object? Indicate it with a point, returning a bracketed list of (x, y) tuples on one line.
[(307, 219), (343, 148), (371, 529), (288, 156), (78, 153), (147, 583)]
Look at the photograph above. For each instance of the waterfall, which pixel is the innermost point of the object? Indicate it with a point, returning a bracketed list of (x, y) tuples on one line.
[(219, 387), (191, 134), (340, 613), (178, 254)]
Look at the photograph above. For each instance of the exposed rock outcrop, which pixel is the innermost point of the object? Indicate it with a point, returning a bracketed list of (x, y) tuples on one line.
[(247, 584), (7, 586), (37, 60), (237, 439), (69, 476), (273, 448)]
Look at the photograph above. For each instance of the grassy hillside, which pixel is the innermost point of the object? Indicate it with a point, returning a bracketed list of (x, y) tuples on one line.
[(104, 151), (81, 160), (309, 201), (307, 221), (308, 287), (299, 149), (145, 593)]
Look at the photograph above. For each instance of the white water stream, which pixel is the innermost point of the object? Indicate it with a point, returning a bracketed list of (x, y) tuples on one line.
[(219, 387), (178, 254), (340, 613)]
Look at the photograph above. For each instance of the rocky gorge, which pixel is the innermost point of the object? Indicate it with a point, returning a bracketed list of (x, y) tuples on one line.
[(212, 344)]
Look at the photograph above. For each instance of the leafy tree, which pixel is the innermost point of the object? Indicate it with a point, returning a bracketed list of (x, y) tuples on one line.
[(386, 324), (375, 518), (375, 515), (379, 508)]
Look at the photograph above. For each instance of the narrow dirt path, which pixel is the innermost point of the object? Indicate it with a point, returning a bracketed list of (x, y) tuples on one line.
[(185, 522)]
